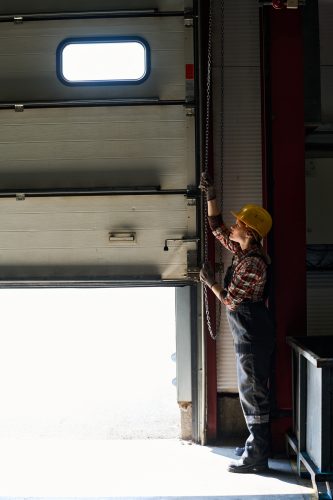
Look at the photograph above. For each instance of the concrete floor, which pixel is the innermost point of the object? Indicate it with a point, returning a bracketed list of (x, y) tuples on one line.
[(136, 469)]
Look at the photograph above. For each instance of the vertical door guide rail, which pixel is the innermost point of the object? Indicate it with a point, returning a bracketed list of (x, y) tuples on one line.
[(206, 146)]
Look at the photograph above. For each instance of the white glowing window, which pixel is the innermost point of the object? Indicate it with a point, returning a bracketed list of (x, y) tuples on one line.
[(104, 61)]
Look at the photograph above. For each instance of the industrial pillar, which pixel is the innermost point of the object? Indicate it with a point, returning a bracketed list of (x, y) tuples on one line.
[(284, 191)]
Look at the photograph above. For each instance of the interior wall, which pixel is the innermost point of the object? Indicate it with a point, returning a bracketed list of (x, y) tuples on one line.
[(237, 138), (326, 59), (319, 181)]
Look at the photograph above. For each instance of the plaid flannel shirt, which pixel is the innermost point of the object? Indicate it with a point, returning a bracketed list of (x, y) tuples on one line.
[(250, 271)]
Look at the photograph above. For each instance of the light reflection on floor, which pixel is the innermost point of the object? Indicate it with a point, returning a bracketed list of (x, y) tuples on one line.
[(134, 468)]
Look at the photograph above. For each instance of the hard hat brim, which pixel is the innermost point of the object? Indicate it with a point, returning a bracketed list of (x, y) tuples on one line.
[(237, 215), (234, 214)]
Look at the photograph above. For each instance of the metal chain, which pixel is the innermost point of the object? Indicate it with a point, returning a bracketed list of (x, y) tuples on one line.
[(206, 158), (222, 102), (218, 247)]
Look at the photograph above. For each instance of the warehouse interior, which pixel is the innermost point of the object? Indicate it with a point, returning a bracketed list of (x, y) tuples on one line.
[(99, 194)]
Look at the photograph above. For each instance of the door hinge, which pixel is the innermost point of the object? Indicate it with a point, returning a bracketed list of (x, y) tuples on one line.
[(188, 21), (193, 270), (19, 108), (18, 19), (191, 202), (190, 110)]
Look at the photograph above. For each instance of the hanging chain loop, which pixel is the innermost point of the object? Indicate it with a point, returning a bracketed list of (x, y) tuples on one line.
[(220, 55), (206, 158)]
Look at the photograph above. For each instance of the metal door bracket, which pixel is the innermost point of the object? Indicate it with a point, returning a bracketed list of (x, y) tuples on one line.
[(18, 19), (191, 202), (193, 270), (20, 196), (188, 21), (179, 240), (190, 110), (19, 108)]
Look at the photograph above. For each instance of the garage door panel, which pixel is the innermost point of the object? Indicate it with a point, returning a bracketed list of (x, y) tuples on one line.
[(28, 52), (17, 66), (33, 44), (20, 6), (78, 267), (91, 147), (52, 30), (22, 132), (71, 231), (88, 221), (96, 174), (78, 238), (107, 115), (95, 204), (153, 89), (118, 262), (46, 275), (42, 150)]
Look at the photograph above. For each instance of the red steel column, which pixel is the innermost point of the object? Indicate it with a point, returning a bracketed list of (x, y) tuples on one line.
[(210, 344), (284, 190), (211, 367)]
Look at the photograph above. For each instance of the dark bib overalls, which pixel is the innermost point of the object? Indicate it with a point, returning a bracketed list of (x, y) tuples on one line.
[(253, 333)]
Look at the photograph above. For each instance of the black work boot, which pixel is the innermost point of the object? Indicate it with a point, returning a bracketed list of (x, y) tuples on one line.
[(239, 450), (246, 466), (256, 452)]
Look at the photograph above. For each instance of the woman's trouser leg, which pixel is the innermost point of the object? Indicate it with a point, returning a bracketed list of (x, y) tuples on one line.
[(253, 371)]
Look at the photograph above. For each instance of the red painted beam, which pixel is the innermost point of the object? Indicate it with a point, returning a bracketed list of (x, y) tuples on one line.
[(211, 368), (210, 344), (211, 363), (284, 189)]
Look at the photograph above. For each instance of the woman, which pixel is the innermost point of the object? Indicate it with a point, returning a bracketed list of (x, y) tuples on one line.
[(244, 294)]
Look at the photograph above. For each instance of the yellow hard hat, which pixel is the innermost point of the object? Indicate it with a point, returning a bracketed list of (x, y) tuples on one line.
[(256, 218)]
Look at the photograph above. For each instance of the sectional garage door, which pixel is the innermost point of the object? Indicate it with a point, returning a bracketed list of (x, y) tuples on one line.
[(97, 182)]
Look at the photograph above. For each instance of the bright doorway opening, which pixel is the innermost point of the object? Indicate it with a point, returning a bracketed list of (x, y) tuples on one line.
[(76, 368), (88, 364)]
